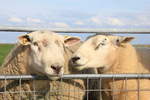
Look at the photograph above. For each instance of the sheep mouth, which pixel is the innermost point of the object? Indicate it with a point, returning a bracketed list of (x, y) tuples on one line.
[(75, 64), (78, 67), (54, 76)]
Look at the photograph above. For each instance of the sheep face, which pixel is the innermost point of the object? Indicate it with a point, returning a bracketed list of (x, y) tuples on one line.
[(99, 51), (47, 51)]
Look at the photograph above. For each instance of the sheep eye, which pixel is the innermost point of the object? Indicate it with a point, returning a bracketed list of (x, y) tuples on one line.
[(99, 45), (102, 44), (35, 43)]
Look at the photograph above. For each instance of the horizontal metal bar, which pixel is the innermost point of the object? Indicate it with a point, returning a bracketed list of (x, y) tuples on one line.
[(70, 30), (82, 76), (74, 76), (22, 77)]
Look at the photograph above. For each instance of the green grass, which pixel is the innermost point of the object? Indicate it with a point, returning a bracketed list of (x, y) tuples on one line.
[(4, 50), (142, 45)]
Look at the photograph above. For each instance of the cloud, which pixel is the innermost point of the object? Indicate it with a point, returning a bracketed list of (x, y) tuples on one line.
[(101, 20), (33, 20), (95, 20), (60, 25), (79, 23), (141, 20), (115, 21), (118, 20), (15, 19)]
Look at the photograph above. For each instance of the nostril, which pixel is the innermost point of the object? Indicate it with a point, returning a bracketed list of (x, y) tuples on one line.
[(53, 67), (59, 67), (74, 59), (56, 68)]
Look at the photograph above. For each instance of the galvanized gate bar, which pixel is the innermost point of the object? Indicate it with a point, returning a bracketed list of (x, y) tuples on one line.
[(84, 76), (76, 30), (76, 76), (23, 77)]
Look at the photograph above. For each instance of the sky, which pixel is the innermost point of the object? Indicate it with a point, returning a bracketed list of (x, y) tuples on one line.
[(75, 14)]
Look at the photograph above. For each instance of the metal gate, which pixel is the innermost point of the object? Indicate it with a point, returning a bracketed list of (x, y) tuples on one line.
[(33, 94), (91, 91)]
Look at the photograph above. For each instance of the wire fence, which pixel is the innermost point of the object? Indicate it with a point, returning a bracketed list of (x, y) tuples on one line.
[(75, 86), (24, 87)]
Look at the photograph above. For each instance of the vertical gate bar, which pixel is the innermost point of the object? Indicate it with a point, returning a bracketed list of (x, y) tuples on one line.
[(60, 89), (100, 88), (78, 92), (69, 92), (126, 90), (49, 90), (34, 90), (113, 88), (5, 88), (74, 91), (138, 88), (20, 91), (87, 93)]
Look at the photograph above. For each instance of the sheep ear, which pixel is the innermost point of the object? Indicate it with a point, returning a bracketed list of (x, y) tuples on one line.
[(70, 41), (24, 39), (121, 40)]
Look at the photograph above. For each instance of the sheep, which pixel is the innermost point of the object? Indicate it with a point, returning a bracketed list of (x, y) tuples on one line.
[(41, 53), (112, 55)]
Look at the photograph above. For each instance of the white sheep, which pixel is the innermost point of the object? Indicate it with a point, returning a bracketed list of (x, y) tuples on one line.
[(40, 53), (113, 55)]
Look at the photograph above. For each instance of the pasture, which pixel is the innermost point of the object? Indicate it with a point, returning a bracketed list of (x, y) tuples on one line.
[(4, 50)]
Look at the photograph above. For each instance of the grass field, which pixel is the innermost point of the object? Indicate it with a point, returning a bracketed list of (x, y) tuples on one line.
[(142, 45), (5, 48)]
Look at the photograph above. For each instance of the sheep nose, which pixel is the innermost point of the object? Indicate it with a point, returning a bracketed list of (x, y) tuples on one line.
[(75, 59), (56, 68)]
